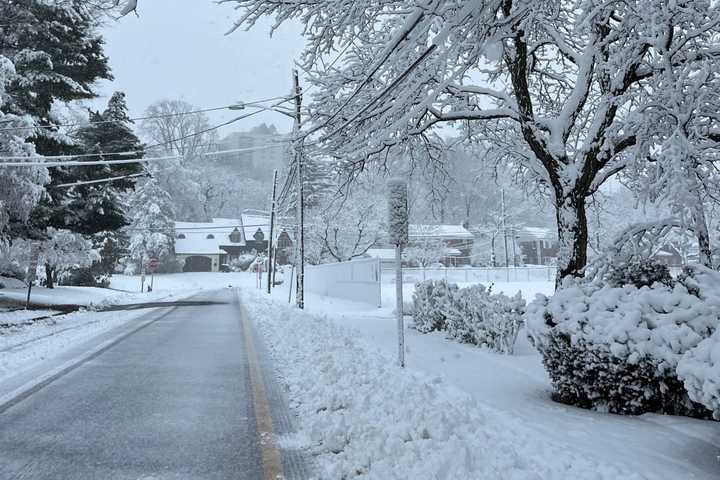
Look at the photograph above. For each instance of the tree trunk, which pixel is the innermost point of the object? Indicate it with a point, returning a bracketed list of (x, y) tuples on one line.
[(572, 235), (49, 276), (701, 232)]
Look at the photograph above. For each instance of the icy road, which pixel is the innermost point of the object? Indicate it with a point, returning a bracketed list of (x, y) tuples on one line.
[(181, 395)]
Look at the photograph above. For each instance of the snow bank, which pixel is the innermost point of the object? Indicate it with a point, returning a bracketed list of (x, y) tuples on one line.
[(361, 416)]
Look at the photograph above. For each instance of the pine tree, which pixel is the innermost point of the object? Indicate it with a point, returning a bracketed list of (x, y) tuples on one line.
[(152, 227), (94, 208), (57, 56)]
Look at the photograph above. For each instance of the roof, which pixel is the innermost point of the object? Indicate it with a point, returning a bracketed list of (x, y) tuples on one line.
[(196, 233), (251, 223), (536, 233), (438, 231)]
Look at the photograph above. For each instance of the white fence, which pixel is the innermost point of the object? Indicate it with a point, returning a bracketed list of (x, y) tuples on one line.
[(474, 274), (357, 280)]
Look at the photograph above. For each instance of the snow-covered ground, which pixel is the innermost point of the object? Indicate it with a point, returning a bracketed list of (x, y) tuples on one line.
[(22, 348), (659, 447), (361, 415), (456, 409)]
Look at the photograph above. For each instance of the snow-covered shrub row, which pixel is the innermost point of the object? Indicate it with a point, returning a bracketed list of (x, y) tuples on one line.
[(638, 272), (482, 318), (470, 315), (361, 416), (617, 348), (699, 369), (431, 300)]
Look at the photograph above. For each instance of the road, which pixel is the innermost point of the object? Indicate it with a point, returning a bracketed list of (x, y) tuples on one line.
[(180, 398)]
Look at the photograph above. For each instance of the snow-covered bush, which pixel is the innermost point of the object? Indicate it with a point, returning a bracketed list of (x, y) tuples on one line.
[(617, 348), (431, 302), (242, 263), (699, 369), (478, 316), (640, 272)]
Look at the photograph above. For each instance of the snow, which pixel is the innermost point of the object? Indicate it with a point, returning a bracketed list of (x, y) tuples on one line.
[(196, 241), (19, 317), (439, 231), (658, 447), (23, 348), (360, 415)]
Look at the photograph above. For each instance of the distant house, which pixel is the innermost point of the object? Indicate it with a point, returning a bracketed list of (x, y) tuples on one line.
[(457, 239), (538, 245), (205, 246)]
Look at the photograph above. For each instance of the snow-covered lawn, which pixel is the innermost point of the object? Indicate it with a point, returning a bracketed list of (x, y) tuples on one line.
[(659, 447)]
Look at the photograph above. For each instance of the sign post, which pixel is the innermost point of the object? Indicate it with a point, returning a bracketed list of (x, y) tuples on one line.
[(32, 270), (153, 264), (398, 231)]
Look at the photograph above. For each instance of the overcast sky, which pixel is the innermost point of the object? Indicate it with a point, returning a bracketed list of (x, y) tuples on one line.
[(178, 49)]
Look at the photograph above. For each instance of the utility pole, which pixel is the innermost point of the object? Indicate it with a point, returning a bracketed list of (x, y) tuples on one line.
[(270, 267), (504, 226), (297, 144)]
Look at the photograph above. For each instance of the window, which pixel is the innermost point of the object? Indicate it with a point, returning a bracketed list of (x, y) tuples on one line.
[(235, 236), (210, 236), (181, 236)]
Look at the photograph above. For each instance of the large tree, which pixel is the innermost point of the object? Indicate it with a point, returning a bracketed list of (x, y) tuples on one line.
[(551, 85)]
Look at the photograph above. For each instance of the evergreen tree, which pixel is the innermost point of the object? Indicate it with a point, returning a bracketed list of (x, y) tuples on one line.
[(94, 208), (152, 227), (57, 56)]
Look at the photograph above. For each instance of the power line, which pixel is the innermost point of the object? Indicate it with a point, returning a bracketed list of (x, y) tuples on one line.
[(240, 105), (121, 162), (101, 180)]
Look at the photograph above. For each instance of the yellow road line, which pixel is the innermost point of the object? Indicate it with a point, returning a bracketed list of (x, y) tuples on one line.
[(271, 462)]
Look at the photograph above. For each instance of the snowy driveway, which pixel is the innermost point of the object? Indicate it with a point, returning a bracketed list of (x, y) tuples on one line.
[(178, 398)]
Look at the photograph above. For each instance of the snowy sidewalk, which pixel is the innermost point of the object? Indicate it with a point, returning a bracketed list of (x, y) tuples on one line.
[(360, 415)]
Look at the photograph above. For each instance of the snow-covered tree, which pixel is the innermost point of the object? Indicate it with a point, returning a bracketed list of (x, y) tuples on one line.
[(20, 187), (551, 86), (152, 228), (341, 228), (63, 250)]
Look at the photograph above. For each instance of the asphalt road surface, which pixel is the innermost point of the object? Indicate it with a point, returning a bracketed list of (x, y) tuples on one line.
[(173, 400)]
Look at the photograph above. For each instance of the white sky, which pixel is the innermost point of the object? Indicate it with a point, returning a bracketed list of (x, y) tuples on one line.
[(178, 49)]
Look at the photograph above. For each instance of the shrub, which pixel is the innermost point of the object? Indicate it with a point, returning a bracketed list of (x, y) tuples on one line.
[(616, 349), (479, 317), (431, 302), (699, 369), (84, 277), (639, 272)]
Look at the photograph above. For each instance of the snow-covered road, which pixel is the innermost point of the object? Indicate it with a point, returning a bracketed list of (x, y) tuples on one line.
[(179, 392)]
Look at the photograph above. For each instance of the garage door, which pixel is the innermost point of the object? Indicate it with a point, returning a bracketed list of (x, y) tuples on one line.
[(198, 264)]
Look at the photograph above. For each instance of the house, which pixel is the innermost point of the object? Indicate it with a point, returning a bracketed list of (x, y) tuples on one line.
[(457, 239), (205, 246), (538, 245)]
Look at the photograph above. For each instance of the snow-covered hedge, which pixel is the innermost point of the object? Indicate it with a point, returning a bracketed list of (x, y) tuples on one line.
[(479, 317), (617, 348), (699, 369), (470, 315), (431, 302)]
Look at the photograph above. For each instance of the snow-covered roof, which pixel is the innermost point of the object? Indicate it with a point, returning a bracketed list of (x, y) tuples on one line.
[(439, 231), (251, 223), (196, 241), (536, 233)]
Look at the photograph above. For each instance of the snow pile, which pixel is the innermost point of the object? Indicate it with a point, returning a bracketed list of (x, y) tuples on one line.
[(700, 370), (361, 416), (617, 348)]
